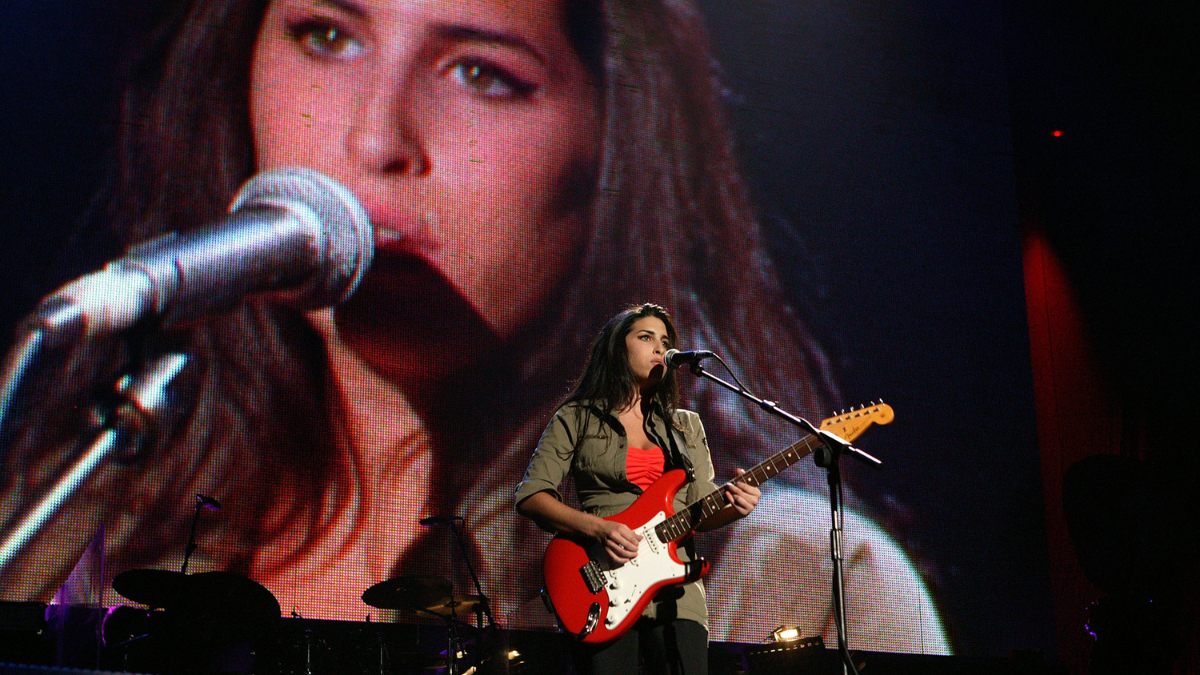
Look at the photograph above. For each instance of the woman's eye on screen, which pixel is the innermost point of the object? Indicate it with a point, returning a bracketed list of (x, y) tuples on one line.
[(489, 81), (325, 39)]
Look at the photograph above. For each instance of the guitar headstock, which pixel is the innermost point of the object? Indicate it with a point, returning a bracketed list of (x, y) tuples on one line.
[(852, 423)]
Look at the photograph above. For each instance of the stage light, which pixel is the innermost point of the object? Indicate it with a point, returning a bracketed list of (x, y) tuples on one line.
[(1056, 133), (785, 633)]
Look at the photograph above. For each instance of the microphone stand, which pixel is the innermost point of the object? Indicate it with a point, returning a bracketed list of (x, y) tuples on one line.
[(455, 529), (148, 402), (202, 502), (453, 667), (827, 457)]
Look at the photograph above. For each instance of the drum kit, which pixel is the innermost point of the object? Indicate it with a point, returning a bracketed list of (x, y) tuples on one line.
[(431, 595), (205, 610), (226, 607)]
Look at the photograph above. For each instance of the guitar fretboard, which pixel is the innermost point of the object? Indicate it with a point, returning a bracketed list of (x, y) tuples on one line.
[(683, 522)]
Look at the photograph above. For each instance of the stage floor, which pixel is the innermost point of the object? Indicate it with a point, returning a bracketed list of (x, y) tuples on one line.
[(136, 641)]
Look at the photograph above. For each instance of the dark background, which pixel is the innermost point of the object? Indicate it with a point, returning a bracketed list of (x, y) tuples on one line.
[(1115, 199), (879, 141)]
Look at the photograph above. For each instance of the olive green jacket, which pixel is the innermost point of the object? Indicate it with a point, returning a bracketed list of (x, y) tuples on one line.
[(591, 446)]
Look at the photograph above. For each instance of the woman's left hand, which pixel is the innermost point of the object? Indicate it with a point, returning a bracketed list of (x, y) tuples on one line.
[(741, 496)]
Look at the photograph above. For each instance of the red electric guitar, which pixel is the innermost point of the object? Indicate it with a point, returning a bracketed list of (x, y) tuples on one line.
[(598, 600)]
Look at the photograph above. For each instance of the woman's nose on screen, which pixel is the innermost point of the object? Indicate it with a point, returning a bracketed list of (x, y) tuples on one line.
[(384, 134)]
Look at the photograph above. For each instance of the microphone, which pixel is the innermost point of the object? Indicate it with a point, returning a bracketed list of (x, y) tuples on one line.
[(207, 502), (439, 520), (675, 358), (291, 230)]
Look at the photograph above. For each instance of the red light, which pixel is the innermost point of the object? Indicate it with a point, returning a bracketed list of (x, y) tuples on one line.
[(1056, 133)]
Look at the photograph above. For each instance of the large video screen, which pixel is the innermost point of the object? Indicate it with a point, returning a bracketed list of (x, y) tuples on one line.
[(821, 194)]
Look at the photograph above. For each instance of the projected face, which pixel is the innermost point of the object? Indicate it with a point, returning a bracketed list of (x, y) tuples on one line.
[(468, 129)]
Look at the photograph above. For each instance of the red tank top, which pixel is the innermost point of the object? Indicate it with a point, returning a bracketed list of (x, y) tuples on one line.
[(644, 466)]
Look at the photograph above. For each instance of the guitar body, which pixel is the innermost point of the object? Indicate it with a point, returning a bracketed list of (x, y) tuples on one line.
[(597, 600)]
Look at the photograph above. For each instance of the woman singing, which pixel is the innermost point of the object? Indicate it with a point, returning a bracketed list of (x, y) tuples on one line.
[(615, 434)]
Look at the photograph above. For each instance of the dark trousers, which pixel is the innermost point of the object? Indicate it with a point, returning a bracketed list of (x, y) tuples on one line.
[(670, 647)]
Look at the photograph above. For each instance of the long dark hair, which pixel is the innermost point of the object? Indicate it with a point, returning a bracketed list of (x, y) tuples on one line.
[(670, 222), (607, 380)]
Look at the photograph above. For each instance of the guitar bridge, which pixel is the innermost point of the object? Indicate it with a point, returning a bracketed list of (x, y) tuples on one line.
[(592, 576)]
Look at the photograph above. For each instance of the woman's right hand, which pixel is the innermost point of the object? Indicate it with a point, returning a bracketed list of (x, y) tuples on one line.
[(620, 542)]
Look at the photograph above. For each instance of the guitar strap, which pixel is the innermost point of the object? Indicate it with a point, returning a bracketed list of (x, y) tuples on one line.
[(679, 460)]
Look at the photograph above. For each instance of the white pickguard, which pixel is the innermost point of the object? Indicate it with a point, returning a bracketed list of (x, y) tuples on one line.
[(627, 583)]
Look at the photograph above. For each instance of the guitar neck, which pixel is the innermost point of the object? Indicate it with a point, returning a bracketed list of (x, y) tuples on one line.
[(684, 522)]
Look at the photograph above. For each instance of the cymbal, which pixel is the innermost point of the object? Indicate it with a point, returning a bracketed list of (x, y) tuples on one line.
[(409, 592), (153, 588), (229, 595), (225, 593), (459, 605)]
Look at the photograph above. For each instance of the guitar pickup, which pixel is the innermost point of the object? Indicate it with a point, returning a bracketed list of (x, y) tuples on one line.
[(592, 576)]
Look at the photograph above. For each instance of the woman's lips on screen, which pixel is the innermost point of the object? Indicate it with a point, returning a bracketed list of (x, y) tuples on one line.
[(398, 233), (404, 252), (407, 294), (406, 278), (407, 269)]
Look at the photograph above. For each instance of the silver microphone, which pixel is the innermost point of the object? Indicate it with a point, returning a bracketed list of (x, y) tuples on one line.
[(292, 230)]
